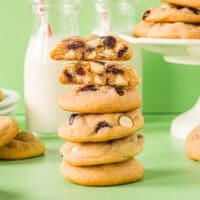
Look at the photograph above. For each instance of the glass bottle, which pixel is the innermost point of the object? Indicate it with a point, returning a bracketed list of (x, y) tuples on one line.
[(52, 21), (118, 17)]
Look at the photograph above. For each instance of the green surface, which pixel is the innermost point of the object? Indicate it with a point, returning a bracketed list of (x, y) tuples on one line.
[(167, 88), (169, 174)]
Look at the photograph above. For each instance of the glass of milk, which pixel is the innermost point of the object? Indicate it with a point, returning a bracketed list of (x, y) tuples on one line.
[(52, 21)]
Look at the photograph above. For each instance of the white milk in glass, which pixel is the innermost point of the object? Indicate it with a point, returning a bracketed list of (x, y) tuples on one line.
[(41, 86)]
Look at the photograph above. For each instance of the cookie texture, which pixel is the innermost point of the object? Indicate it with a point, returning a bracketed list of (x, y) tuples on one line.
[(167, 30), (93, 48), (1, 95), (100, 127), (24, 145), (86, 154), (172, 13), (187, 3), (100, 99), (8, 129), (102, 175), (192, 144), (113, 73)]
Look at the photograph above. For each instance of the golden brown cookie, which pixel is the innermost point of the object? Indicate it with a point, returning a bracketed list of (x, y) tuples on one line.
[(93, 48), (167, 30), (192, 144), (100, 127), (8, 129), (172, 13), (100, 99), (113, 73), (187, 3), (1, 95), (85, 154), (24, 145), (102, 175)]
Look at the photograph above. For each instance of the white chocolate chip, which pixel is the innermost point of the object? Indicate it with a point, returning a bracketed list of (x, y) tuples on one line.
[(125, 121), (74, 149), (98, 80), (97, 67), (108, 52), (70, 54), (120, 80), (93, 43), (91, 55)]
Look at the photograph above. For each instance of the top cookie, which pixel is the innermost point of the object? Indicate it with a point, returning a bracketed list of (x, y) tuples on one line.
[(188, 3), (172, 13), (92, 48)]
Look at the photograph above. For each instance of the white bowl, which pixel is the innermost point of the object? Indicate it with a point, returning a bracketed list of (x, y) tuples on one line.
[(11, 97)]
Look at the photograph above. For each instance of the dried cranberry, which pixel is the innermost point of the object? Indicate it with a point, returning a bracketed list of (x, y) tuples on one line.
[(119, 91), (68, 76), (112, 69), (89, 49), (88, 88), (146, 14), (109, 41), (122, 52), (76, 45), (72, 117), (102, 125), (80, 71), (194, 10)]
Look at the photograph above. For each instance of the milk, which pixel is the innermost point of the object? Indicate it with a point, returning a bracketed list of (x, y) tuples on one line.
[(41, 86)]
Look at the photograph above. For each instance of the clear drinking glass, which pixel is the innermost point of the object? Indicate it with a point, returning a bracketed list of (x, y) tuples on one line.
[(52, 20)]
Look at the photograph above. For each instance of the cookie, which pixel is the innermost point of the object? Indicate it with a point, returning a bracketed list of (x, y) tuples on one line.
[(172, 13), (24, 145), (192, 144), (85, 154), (167, 30), (102, 175), (188, 3), (112, 73), (100, 127), (92, 48), (100, 99), (8, 129), (1, 95)]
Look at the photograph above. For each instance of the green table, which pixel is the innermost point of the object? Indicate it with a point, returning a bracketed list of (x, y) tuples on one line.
[(169, 174)]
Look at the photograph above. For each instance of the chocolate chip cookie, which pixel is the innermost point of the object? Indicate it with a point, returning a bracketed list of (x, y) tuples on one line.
[(172, 13), (100, 127), (100, 99), (8, 129), (188, 3), (102, 175), (192, 144), (111, 73), (92, 48), (167, 30), (86, 154), (24, 145)]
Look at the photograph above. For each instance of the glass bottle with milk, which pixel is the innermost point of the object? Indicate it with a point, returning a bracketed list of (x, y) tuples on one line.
[(53, 20)]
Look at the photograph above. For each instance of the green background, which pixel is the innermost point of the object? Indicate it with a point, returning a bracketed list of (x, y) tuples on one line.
[(167, 88)]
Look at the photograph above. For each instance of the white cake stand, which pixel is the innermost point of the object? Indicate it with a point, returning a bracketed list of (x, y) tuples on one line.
[(179, 51)]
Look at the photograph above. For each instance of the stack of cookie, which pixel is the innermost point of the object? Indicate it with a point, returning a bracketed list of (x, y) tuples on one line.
[(178, 19), (101, 131)]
